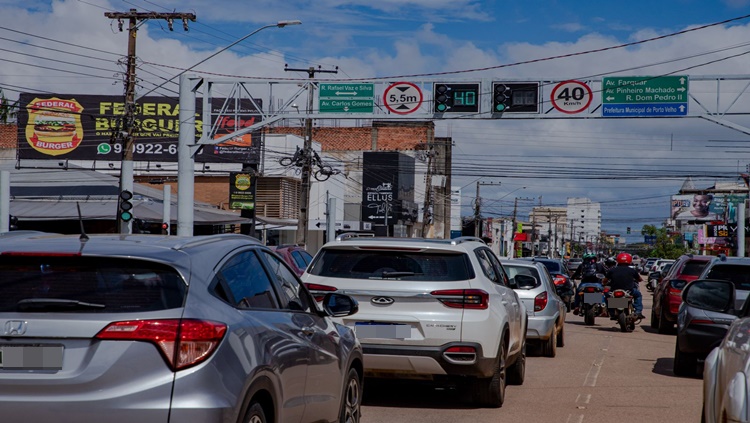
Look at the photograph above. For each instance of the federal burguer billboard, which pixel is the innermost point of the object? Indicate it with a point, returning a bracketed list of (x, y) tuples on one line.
[(83, 127)]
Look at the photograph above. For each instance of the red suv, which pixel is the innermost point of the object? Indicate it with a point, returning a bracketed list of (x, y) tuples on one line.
[(295, 256), (668, 293)]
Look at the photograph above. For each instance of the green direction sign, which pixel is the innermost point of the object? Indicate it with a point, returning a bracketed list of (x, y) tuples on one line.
[(645, 96), (346, 98)]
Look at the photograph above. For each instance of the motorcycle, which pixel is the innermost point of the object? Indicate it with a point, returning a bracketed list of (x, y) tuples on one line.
[(565, 289), (591, 301), (621, 309)]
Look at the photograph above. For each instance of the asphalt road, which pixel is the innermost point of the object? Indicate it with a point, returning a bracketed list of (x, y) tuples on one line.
[(601, 375)]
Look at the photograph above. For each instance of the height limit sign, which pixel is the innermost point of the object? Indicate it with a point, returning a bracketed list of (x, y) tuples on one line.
[(402, 98)]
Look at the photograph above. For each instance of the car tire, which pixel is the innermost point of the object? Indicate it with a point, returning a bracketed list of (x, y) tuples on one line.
[(561, 337), (549, 347), (351, 401), (664, 325), (589, 317), (490, 392), (517, 372), (654, 322), (684, 364), (255, 414)]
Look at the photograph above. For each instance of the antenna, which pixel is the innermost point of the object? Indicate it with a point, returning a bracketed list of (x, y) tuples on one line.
[(83, 237)]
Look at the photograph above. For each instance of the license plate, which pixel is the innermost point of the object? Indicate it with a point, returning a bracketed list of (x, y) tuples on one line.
[(592, 298), (31, 357), (617, 303), (380, 330)]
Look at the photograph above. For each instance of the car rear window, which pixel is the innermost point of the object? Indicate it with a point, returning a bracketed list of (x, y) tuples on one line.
[(359, 264), (694, 268), (738, 274), (552, 266), (87, 285)]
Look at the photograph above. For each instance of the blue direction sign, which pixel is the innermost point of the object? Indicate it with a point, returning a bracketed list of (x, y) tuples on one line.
[(644, 96)]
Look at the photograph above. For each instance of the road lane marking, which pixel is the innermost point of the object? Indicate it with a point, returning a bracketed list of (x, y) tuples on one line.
[(596, 366), (583, 398), (575, 419)]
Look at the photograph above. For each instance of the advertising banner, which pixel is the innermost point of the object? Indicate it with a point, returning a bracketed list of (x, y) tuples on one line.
[(388, 188), (86, 127), (697, 208), (241, 191)]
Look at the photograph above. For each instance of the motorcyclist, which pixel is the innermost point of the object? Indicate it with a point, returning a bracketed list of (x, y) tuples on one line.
[(625, 277), (587, 273)]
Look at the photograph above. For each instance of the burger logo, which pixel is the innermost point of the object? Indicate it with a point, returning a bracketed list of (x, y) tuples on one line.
[(243, 181), (54, 125)]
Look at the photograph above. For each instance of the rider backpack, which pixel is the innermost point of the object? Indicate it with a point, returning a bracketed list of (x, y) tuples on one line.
[(589, 270)]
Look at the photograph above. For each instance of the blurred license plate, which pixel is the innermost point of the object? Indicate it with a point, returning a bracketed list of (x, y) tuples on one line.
[(592, 298), (31, 357), (380, 330), (617, 303)]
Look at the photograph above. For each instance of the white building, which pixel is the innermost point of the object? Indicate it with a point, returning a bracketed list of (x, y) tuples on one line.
[(585, 219)]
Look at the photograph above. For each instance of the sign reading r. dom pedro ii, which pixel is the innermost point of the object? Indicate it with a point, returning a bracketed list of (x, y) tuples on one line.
[(81, 127), (241, 191)]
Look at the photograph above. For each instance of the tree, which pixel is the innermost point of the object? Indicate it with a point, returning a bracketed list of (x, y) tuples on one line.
[(666, 245), (8, 110)]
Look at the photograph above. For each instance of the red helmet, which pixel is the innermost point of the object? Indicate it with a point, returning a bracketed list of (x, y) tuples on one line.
[(624, 258)]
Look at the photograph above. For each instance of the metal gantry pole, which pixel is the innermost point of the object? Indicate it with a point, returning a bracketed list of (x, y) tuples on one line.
[(185, 160)]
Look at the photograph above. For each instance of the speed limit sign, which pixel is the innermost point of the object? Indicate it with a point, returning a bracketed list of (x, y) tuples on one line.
[(571, 97)]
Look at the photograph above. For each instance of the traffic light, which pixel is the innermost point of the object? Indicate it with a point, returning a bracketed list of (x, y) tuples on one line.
[(502, 99), (125, 213), (13, 223), (442, 98), (628, 231), (456, 98), (515, 97), (165, 228)]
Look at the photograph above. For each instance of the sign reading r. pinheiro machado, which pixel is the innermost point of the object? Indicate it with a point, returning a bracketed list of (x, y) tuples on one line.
[(645, 96)]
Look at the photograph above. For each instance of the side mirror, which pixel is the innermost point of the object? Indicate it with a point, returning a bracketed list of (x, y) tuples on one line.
[(339, 305), (524, 281), (710, 295)]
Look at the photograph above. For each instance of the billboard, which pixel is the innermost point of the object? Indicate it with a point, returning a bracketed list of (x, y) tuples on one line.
[(697, 207), (242, 186), (84, 127), (388, 188)]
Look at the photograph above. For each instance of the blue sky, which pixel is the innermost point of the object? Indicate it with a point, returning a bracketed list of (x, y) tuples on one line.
[(368, 39)]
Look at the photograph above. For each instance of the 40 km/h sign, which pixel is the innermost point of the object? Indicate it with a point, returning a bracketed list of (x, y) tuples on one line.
[(571, 97), (402, 98)]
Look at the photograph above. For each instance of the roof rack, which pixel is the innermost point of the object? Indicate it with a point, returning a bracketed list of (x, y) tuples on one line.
[(350, 235), (461, 239)]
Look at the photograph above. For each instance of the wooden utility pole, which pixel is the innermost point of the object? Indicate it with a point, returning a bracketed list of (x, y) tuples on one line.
[(304, 215), (126, 135), (478, 209)]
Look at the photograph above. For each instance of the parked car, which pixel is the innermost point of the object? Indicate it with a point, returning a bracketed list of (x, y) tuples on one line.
[(726, 371), (646, 266), (295, 256), (431, 309), (564, 284), (668, 293), (151, 328), (573, 264), (545, 308)]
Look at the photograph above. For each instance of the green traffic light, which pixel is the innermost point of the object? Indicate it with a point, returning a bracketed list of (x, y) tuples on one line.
[(126, 216), (500, 107), (441, 107)]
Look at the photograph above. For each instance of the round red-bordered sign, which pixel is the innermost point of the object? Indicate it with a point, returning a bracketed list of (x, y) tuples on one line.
[(402, 98), (571, 97)]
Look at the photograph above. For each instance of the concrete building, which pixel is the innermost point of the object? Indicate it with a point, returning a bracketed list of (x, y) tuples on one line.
[(584, 218)]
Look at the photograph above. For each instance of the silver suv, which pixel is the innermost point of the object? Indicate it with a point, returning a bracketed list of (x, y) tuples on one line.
[(429, 308), (151, 328)]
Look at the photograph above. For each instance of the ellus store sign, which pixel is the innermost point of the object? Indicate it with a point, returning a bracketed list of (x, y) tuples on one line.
[(82, 127)]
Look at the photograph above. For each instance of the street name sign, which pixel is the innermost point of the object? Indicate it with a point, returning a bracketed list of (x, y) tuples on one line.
[(644, 96), (346, 98)]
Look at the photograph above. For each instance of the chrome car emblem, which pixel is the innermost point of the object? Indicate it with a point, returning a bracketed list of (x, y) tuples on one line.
[(382, 300), (15, 327)]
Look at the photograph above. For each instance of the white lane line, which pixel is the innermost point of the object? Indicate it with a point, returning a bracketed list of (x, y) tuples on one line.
[(575, 419), (583, 398), (596, 366)]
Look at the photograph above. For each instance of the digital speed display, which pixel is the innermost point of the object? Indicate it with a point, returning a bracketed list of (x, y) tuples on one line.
[(456, 98)]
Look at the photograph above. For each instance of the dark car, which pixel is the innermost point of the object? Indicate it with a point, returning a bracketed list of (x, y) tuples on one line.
[(295, 256), (668, 293), (146, 328), (563, 282), (698, 330)]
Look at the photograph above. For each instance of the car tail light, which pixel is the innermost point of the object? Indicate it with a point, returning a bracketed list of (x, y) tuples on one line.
[(702, 322), (560, 280), (589, 289), (318, 291), (182, 342), (606, 289), (618, 294), (463, 298), (540, 301)]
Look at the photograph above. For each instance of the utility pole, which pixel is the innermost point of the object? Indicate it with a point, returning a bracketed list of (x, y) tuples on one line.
[(478, 209), (126, 136), (427, 192), (307, 155)]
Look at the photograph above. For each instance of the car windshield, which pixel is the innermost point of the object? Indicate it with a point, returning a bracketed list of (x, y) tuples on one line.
[(87, 284), (359, 264)]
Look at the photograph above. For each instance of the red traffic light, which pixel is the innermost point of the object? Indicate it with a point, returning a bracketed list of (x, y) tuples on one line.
[(165, 226)]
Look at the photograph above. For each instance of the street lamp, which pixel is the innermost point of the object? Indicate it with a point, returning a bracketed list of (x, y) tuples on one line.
[(185, 161)]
